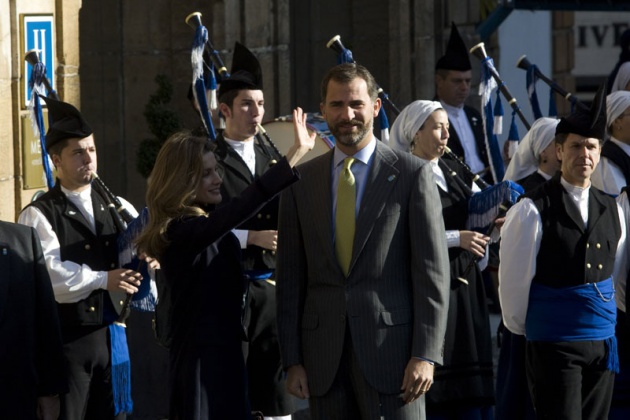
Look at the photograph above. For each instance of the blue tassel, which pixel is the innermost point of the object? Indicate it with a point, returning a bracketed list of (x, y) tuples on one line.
[(492, 143), (146, 297), (345, 57), (530, 81), (553, 110), (612, 359), (384, 122), (121, 369), (513, 134), (483, 206), (199, 86)]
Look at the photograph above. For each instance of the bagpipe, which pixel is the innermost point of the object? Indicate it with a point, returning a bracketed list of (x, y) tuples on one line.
[(533, 74), (39, 72), (345, 55), (205, 79), (485, 207), (128, 228), (40, 85)]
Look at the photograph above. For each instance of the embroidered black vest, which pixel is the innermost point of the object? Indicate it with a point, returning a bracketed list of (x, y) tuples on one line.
[(80, 245), (570, 254)]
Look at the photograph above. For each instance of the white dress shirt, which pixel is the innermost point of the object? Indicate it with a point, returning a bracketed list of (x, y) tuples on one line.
[(71, 282), (459, 121), (245, 150), (521, 238)]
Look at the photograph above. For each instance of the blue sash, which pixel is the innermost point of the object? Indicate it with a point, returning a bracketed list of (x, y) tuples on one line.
[(580, 313), (257, 275)]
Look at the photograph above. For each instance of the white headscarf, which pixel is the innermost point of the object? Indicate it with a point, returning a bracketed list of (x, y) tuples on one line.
[(409, 122), (622, 78), (525, 160), (616, 104)]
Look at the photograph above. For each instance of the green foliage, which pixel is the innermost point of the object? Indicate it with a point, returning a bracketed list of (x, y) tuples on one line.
[(162, 121)]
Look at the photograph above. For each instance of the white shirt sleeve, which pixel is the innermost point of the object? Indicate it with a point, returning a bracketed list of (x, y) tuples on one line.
[(521, 236), (242, 236), (608, 177), (622, 257), (452, 238), (71, 282)]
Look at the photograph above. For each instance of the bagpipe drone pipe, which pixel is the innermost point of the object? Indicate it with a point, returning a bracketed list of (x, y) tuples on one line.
[(129, 227)]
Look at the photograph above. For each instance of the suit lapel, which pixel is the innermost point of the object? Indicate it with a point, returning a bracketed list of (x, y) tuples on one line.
[(321, 187), (262, 160), (380, 182)]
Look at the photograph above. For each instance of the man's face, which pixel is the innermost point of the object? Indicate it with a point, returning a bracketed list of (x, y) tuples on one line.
[(248, 109), (349, 113), (579, 156), (76, 163), (454, 87)]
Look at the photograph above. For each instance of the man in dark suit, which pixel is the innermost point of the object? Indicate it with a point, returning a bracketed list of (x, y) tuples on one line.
[(453, 74), (32, 371), (243, 159), (363, 272)]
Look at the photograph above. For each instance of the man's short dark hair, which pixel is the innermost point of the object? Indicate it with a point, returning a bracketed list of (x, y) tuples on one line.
[(346, 73), (229, 96), (56, 148)]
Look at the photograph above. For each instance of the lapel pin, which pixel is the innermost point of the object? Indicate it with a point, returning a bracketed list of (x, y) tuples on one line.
[(391, 178), (72, 212), (4, 251)]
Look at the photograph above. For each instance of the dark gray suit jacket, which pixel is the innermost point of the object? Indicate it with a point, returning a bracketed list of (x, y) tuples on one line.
[(31, 356), (395, 299)]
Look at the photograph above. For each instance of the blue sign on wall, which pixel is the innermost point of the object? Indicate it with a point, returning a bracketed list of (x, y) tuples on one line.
[(38, 35)]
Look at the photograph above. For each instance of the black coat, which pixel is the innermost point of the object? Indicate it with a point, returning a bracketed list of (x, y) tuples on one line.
[(455, 143), (205, 284), (31, 355)]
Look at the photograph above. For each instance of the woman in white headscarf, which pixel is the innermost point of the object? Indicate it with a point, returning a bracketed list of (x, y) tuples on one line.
[(622, 80), (463, 386), (535, 160), (613, 171)]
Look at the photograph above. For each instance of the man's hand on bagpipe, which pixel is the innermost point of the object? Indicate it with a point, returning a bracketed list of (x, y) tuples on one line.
[(474, 242), (123, 280)]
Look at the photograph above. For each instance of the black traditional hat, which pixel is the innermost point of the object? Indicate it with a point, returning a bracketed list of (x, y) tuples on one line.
[(588, 123), (246, 72), (456, 55), (64, 122)]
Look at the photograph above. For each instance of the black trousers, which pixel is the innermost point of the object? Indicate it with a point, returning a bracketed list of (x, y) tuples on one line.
[(569, 380), (89, 379)]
